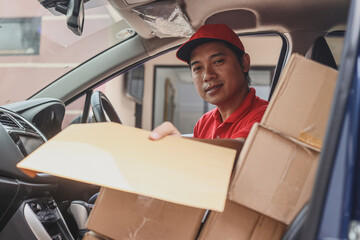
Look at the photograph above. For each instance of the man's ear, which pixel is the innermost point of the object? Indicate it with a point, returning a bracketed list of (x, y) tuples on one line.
[(245, 62)]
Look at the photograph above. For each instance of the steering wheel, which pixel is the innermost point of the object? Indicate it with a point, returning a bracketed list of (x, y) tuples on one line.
[(101, 107)]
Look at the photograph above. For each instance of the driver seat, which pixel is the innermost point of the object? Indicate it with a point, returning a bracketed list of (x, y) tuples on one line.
[(321, 53)]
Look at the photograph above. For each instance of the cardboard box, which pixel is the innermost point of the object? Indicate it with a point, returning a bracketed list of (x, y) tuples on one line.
[(121, 215), (276, 168), (241, 223), (301, 102), (274, 175)]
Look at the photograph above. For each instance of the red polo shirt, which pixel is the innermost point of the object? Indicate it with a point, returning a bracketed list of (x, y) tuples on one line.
[(237, 125)]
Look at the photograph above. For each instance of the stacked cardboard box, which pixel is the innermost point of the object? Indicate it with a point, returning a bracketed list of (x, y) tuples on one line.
[(123, 215), (279, 162), (275, 172)]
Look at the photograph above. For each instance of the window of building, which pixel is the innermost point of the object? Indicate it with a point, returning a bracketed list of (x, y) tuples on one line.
[(135, 84), (20, 36)]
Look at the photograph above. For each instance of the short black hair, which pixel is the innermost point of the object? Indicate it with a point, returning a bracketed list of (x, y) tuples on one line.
[(239, 55)]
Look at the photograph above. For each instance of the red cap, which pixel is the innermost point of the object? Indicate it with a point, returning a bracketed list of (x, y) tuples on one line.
[(207, 33)]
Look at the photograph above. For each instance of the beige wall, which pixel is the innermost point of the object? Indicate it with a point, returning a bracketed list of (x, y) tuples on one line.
[(115, 91), (167, 59)]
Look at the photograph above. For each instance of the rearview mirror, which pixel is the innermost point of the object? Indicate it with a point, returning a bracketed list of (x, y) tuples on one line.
[(75, 16)]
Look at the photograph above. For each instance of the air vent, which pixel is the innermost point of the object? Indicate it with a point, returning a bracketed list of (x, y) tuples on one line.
[(25, 125), (7, 121)]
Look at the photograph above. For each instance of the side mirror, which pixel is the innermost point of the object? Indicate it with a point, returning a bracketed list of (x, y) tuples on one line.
[(75, 16)]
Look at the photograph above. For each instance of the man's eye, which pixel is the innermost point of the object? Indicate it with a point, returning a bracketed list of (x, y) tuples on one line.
[(195, 69), (219, 61)]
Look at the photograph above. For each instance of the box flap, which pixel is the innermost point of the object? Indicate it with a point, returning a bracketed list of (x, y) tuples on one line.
[(236, 144), (274, 175), (112, 155)]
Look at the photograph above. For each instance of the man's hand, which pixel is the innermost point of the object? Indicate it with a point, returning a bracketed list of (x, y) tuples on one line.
[(164, 129)]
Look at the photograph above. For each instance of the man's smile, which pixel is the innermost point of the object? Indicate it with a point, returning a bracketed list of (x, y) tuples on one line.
[(213, 87)]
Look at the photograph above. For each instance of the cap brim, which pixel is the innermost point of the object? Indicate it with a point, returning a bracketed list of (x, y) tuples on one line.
[(184, 52)]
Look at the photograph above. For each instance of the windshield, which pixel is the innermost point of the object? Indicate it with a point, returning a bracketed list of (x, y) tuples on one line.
[(36, 47)]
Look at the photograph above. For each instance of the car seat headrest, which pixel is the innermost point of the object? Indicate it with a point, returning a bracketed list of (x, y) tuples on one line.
[(320, 52)]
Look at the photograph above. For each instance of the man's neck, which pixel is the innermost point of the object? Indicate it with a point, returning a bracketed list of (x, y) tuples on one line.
[(226, 109)]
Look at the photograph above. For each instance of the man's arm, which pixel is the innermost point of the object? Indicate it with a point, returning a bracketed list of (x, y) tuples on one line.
[(164, 129)]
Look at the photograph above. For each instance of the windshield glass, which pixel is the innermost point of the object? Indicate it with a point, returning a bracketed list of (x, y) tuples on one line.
[(36, 47)]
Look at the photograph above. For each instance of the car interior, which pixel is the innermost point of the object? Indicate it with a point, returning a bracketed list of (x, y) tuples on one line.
[(48, 207)]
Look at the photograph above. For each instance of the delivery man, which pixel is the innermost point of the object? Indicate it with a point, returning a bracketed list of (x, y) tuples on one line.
[(219, 68)]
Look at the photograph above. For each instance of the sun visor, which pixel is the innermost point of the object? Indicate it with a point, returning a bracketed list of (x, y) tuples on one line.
[(166, 19)]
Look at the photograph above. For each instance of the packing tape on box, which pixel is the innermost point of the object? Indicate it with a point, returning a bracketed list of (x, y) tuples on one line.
[(311, 140), (304, 144)]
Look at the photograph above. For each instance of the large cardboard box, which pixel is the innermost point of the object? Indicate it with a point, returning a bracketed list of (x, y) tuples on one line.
[(274, 175), (301, 102), (121, 215), (241, 223), (277, 166)]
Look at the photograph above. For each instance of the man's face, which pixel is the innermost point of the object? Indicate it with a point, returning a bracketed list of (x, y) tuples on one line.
[(218, 76)]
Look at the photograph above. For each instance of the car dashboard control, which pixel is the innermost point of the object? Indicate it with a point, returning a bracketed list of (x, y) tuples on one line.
[(38, 218)]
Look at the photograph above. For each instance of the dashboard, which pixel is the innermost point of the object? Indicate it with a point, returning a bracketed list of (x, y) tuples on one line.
[(33, 208), (25, 126)]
